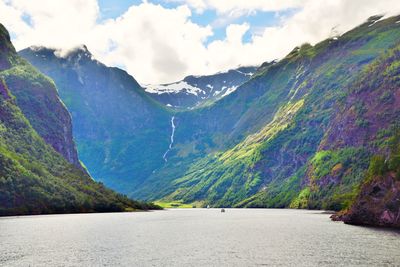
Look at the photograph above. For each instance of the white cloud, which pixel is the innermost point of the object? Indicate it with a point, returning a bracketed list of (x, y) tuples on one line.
[(157, 45), (153, 43), (53, 23)]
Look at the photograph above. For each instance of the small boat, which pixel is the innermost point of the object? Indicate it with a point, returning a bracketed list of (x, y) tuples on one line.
[(222, 210)]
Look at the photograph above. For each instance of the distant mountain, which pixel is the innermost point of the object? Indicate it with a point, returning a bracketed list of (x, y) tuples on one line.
[(318, 129), (196, 91), (122, 134), (35, 144)]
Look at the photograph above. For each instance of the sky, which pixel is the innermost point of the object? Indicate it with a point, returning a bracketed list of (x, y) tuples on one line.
[(161, 41)]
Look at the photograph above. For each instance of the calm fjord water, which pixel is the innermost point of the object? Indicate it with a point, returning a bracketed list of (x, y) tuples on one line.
[(194, 237)]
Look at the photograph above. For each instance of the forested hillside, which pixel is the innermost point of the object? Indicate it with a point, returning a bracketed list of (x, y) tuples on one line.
[(35, 147)]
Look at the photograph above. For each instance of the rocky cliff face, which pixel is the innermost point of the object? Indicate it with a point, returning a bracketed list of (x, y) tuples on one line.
[(377, 204), (122, 134), (47, 114), (365, 132), (37, 97), (34, 177), (366, 117)]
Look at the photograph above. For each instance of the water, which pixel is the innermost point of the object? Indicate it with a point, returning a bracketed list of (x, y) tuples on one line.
[(172, 138), (194, 237)]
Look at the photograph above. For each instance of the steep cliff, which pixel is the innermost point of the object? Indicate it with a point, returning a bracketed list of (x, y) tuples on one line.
[(121, 133), (37, 97), (35, 178), (369, 119)]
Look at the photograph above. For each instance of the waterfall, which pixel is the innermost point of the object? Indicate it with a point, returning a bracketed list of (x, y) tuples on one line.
[(172, 138)]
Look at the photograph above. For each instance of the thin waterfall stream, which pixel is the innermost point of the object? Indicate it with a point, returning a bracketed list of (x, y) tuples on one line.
[(172, 138)]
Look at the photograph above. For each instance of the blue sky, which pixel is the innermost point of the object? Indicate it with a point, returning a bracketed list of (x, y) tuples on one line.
[(111, 9)]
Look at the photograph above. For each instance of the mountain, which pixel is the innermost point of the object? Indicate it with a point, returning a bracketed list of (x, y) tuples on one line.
[(39, 169), (267, 144), (196, 91), (369, 119), (40, 104), (317, 129), (122, 134)]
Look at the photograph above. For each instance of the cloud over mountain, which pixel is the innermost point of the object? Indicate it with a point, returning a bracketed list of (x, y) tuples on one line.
[(163, 41)]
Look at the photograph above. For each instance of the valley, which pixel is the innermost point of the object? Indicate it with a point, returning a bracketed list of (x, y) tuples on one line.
[(315, 129)]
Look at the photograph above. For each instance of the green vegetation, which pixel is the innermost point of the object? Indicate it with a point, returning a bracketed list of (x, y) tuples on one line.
[(380, 165), (301, 133), (284, 149), (174, 204), (34, 178), (121, 133), (335, 177)]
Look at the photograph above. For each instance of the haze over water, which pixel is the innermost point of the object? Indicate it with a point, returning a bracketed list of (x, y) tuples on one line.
[(195, 237)]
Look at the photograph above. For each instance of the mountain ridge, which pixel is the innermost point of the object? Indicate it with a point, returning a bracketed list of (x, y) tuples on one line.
[(195, 91), (273, 142), (115, 122), (37, 175), (359, 37)]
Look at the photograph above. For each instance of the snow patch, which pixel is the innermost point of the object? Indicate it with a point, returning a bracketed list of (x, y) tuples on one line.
[(36, 48), (229, 90), (216, 93), (375, 21), (173, 88), (245, 73)]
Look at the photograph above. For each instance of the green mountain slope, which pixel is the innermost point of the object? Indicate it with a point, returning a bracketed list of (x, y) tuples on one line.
[(261, 149), (34, 178), (300, 133), (121, 133), (40, 104), (368, 121)]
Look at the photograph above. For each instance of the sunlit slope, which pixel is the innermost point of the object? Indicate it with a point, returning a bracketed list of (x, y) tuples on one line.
[(259, 143)]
